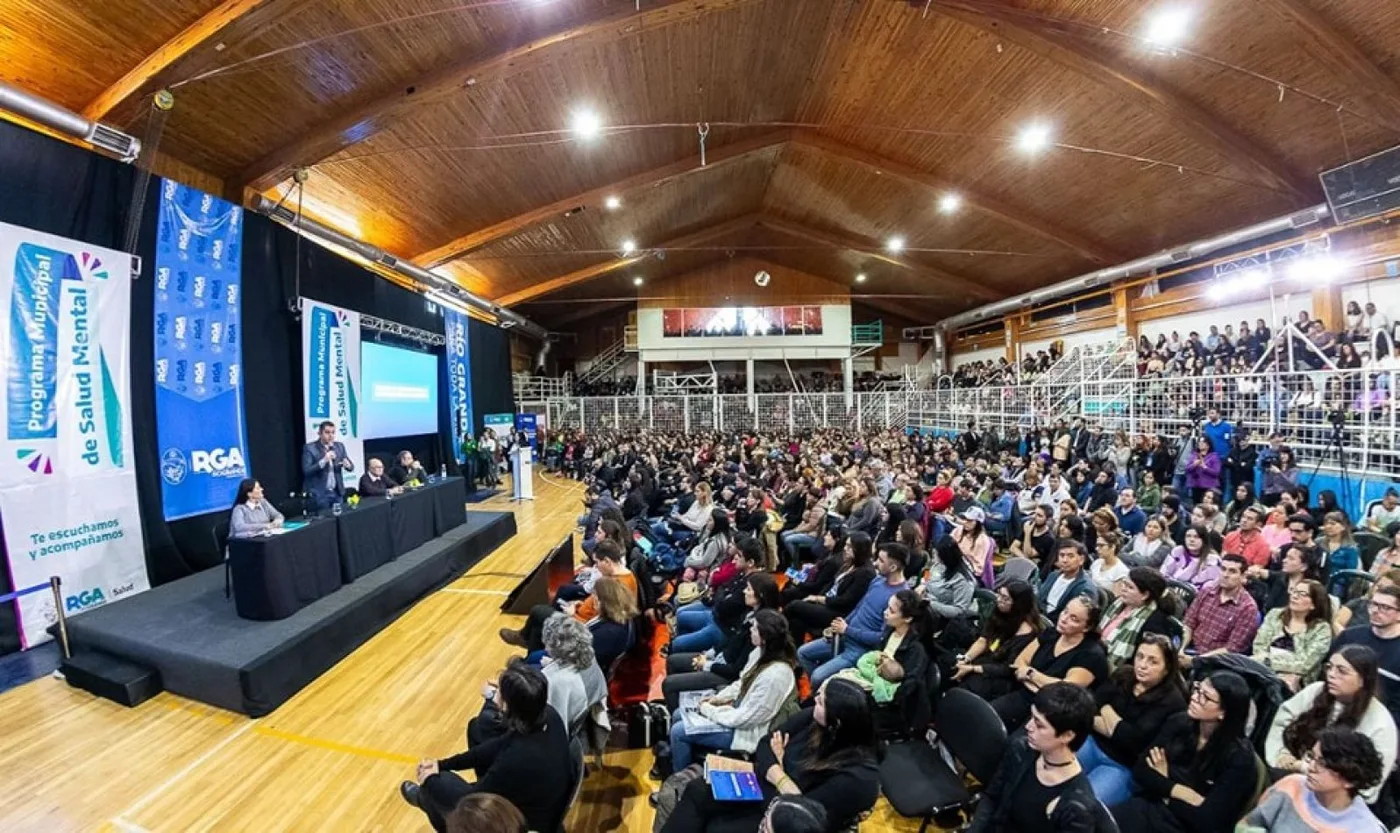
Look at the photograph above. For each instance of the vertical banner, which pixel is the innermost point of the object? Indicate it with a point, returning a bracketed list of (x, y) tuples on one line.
[(330, 363), (199, 358), (67, 486), (459, 388)]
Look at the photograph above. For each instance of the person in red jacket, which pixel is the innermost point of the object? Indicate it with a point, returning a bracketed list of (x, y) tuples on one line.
[(941, 496)]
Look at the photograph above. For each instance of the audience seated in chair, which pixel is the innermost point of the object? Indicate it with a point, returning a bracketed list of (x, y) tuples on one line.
[(1070, 653), (822, 658), (1040, 786), (529, 764), (1342, 765), (834, 590), (1132, 706), (1199, 773), (825, 753), (986, 669), (1294, 640)]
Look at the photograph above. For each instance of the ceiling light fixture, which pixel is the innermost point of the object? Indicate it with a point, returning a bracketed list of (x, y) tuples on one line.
[(895, 245), (629, 246), (612, 203), (860, 278), (637, 281), (587, 125), (1034, 138), (1168, 27), (949, 203)]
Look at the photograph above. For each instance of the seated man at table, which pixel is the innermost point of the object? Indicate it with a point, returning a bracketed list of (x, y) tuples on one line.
[(373, 483), (407, 470), (323, 466)]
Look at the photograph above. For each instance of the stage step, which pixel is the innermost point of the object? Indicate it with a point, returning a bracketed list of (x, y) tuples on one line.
[(107, 676)]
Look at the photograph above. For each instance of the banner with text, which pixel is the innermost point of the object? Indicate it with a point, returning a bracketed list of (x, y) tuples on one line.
[(67, 486), (330, 364), (199, 358), (459, 387)]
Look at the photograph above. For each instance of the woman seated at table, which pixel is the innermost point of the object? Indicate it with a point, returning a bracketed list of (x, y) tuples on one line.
[(825, 753), (744, 709), (529, 765), (1070, 653), (985, 670), (1198, 774), (1348, 696), (1294, 640), (1132, 707), (251, 514)]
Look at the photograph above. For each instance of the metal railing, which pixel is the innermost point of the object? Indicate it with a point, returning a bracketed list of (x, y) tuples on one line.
[(539, 388), (1309, 408)]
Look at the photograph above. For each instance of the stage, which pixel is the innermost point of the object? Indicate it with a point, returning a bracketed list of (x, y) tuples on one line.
[(190, 633)]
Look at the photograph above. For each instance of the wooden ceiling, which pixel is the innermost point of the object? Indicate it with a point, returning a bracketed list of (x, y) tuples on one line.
[(438, 129)]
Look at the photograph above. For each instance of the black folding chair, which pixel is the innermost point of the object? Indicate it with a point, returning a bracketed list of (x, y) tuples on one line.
[(220, 534), (916, 779)]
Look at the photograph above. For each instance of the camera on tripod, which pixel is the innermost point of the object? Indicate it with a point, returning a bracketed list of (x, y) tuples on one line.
[(1197, 414)]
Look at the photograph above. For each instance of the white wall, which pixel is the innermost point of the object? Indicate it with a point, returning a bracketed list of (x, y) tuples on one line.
[(1233, 314), (1384, 293), (1071, 341)]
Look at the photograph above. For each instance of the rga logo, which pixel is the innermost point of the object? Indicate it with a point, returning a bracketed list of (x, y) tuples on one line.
[(163, 278), (200, 282), (218, 462), (180, 326), (162, 370), (216, 332), (84, 600), (231, 294), (174, 466)]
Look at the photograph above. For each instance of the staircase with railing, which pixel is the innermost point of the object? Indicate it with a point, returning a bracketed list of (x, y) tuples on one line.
[(530, 388), (867, 338), (606, 363)]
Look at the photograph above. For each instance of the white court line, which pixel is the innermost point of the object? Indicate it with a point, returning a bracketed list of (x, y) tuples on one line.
[(128, 827), (184, 773), (475, 592)]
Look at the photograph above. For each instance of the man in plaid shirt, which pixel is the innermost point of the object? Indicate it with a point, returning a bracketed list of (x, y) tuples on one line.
[(1224, 617)]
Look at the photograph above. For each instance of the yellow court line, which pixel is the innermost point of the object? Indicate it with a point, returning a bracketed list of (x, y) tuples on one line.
[(333, 746)]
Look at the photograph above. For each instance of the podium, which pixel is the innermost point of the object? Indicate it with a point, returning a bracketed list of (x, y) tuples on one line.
[(522, 472)]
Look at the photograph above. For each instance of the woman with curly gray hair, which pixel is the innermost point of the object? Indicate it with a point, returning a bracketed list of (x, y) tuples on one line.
[(575, 680)]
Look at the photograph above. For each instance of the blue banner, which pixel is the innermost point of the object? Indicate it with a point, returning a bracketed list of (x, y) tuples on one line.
[(459, 383), (199, 358)]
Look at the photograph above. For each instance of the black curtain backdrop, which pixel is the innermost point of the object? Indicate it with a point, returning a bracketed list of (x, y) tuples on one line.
[(53, 187)]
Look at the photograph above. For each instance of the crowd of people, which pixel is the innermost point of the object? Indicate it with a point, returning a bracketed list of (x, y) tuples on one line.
[(815, 381), (1158, 639)]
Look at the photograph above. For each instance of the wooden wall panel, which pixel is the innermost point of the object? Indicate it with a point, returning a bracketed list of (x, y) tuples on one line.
[(731, 283)]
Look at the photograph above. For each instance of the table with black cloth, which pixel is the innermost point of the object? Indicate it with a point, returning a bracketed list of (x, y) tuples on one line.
[(411, 522), (449, 504), (366, 535), (274, 576)]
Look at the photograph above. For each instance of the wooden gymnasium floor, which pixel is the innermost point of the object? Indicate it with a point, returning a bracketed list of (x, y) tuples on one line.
[(329, 759)]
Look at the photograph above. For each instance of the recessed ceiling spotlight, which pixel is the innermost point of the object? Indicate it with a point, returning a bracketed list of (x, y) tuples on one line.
[(860, 278), (949, 203), (587, 125), (1168, 27), (612, 203), (637, 281), (895, 245), (1034, 138), (629, 246)]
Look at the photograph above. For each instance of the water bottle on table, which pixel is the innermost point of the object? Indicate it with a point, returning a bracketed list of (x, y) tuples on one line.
[(442, 472)]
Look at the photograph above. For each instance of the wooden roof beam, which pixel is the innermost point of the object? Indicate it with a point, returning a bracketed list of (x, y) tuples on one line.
[(1021, 218), (483, 237), (1053, 43), (598, 270), (145, 76), (949, 280), (1379, 91), (360, 121)]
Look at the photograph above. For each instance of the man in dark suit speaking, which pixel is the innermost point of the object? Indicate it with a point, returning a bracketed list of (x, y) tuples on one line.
[(323, 465)]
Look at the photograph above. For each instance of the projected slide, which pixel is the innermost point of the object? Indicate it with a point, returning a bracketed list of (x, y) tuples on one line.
[(400, 392)]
